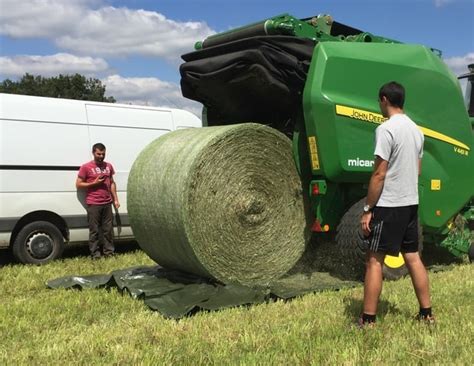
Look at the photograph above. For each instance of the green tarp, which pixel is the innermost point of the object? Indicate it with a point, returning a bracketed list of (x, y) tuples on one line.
[(176, 294)]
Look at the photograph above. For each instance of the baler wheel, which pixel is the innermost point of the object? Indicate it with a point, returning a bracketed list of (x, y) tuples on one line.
[(395, 272), (352, 246), (471, 253), (350, 242), (393, 269)]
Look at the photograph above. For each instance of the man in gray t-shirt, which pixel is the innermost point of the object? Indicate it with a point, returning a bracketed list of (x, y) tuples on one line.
[(399, 141), (390, 218)]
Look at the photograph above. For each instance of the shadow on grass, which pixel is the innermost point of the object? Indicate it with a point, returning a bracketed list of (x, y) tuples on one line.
[(6, 257), (74, 250), (353, 308), (323, 255), (434, 255), (82, 250)]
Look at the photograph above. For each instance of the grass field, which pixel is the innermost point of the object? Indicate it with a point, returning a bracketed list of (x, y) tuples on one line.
[(41, 326)]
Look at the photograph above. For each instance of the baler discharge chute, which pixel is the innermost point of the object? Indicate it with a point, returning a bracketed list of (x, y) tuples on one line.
[(258, 79)]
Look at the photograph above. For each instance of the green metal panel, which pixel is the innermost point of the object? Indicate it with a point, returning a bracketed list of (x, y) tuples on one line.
[(349, 75)]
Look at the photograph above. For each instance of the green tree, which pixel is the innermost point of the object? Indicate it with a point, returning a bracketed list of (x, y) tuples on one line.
[(63, 86)]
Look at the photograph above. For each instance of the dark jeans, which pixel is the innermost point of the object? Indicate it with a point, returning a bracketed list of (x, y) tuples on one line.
[(100, 219)]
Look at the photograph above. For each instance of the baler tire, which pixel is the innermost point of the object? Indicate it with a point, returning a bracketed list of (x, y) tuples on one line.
[(350, 242), (393, 274), (471, 253), (352, 246)]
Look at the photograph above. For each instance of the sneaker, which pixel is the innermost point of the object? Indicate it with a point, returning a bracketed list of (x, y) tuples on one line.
[(365, 325), (428, 319)]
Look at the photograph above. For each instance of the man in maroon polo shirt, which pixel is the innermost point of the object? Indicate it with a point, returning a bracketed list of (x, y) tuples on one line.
[(97, 177)]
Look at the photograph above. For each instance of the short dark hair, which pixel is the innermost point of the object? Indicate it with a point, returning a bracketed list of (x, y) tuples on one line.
[(99, 146), (394, 92)]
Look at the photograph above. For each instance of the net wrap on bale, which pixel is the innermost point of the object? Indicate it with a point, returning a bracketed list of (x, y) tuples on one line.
[(222, 202)]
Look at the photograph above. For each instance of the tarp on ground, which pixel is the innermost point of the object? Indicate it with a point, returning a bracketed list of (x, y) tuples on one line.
[(176, 294)]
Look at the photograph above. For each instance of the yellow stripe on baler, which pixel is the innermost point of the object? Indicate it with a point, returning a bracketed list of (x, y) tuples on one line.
[(377, 118), (441, 137)]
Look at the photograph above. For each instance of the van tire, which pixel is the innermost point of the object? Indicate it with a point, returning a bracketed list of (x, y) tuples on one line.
[(38, 243)]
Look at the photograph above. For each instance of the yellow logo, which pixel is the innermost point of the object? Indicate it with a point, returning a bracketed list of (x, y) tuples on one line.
[(360, 114), (377, 118)]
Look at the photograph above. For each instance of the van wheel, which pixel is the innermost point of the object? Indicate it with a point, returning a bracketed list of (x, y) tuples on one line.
[(37, 243)]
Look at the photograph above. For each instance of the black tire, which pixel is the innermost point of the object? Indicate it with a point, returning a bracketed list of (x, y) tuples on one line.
[(471, 253), (391, 273), (38, 243), (350, 243), (352, 246)]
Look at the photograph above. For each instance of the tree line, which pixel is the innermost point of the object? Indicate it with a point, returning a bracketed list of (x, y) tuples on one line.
[(63, 86)]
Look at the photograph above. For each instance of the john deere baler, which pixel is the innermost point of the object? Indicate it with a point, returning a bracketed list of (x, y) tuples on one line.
[(317, 81)]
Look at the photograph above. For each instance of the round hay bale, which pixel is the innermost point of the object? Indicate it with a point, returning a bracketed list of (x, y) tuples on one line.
[(222, 202)]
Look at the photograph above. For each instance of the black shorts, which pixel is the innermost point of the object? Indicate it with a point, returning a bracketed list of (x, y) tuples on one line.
[(394, 230)]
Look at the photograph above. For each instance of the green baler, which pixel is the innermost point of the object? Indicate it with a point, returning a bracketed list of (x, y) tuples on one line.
[(317, 81)]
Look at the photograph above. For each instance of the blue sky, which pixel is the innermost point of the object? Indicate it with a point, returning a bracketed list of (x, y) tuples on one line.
[(133, 46)]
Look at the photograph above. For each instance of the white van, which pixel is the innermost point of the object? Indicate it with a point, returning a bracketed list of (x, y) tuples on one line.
[(43, 142)]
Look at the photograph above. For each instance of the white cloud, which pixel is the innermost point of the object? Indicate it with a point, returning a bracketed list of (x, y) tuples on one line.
[(39, 18), (440, 3), (75, 26), (113, 31), (51, 65), (459, 64), (149, 91)]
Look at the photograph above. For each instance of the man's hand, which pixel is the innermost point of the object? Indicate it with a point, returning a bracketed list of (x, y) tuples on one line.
[(98, 180), (365, 222), (116, 204), (82, 184)]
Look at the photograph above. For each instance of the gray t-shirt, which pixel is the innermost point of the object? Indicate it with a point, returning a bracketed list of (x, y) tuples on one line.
[(400, 142)]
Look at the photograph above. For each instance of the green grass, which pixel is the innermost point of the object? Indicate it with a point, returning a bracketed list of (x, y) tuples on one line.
[(42, 326)]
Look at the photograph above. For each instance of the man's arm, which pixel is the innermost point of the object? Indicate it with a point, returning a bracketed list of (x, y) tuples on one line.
[(376, 181), (375, 190), (113, 191), (81, 183)]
